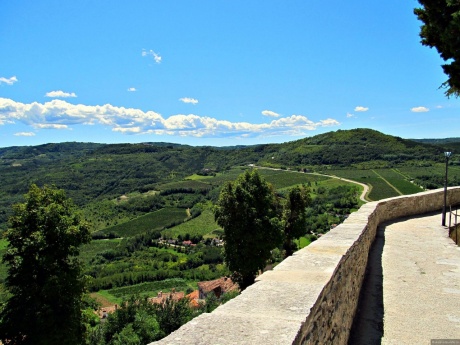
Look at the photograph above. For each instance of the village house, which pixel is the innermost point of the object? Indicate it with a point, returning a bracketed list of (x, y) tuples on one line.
[(217, 286)]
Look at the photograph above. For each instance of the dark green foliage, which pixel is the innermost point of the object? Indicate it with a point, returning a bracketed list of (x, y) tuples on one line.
[(135, 323), (173, 314), (295, 217), (247, 210), (330, 207), (44, 274), (441, 29)]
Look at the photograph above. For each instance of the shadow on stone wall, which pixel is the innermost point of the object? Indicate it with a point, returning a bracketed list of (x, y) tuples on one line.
[(367, 326)]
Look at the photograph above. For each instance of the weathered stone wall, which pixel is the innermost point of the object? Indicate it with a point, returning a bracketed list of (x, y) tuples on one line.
[(311, 297)]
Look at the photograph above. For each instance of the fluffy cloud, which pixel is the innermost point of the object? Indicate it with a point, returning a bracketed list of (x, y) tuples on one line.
[(132, 89), (188, 100), (350, 115), (270, 113), (60, 94), (360, 108), (49, 126), (24, 134), (58, 114), (9, 81), (419, 110), (155, 56)]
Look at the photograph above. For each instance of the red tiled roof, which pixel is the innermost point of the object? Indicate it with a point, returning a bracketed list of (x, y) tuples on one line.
[(226, 285), (163, 296)]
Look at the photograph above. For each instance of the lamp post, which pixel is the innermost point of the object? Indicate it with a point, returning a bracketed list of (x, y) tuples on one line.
[(447, 155)]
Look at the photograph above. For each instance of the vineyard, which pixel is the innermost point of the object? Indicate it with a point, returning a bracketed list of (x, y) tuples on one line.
[(166, 217)]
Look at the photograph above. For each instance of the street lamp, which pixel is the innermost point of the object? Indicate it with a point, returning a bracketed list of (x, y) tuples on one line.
[(447, 155)]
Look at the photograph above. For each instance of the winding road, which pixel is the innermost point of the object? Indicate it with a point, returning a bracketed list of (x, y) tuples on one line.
[(362, 197)]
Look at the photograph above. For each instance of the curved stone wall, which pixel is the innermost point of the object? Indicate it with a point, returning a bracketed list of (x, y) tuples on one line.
[(311, 297)]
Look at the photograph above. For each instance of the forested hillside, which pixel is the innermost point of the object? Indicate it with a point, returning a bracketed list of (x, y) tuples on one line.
[(150, 206)]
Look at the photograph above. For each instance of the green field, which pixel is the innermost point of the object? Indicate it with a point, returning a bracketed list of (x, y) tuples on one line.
[(3, 269), (379, 188), (89, 251), (202, 225), (282, 179), (187, 184), (152, 221), (152, 288), (399, 181)]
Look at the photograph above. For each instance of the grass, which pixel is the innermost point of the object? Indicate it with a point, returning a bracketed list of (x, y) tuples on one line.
[(202, 225), (106, 298), (196, 177), (152, 221), (89, 251), (303, 242), (3, 244), (187, 184), (151, 289)]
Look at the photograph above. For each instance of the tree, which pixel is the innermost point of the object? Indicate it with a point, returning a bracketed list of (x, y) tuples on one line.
[(441, 29), (44, 273), (295, 217), (248, 211), (135, 322)]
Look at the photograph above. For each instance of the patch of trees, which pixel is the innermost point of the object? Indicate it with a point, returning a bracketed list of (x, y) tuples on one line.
[(255, 223), (440, 29), (137, 321), (44, 274)]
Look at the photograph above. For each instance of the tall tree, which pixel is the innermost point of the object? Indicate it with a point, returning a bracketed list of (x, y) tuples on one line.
[(247, 210), (44, 273), (441, 29), (295, 217)]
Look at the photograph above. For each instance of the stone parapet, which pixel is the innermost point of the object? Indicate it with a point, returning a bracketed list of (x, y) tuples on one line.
[(311, 297)]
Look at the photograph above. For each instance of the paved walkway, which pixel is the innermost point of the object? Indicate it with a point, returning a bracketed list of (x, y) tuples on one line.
[(421, 282), (420, 266)]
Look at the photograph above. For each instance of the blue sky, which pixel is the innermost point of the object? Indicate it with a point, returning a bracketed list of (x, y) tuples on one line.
[(213, 72)]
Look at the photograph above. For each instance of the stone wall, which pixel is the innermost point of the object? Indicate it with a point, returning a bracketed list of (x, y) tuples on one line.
[(311, 297)]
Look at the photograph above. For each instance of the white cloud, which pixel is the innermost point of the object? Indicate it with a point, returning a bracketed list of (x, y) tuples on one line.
[(155, 56), (9, 81), (350, 115), (132, 89), (24, 134), (270, 113), (58, 114), (419, 110), (360, 108), (188, 100), (439, 107), (49, 126), (60, 94)]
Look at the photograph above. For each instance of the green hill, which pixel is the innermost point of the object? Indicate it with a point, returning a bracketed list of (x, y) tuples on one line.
[(94, 173)]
